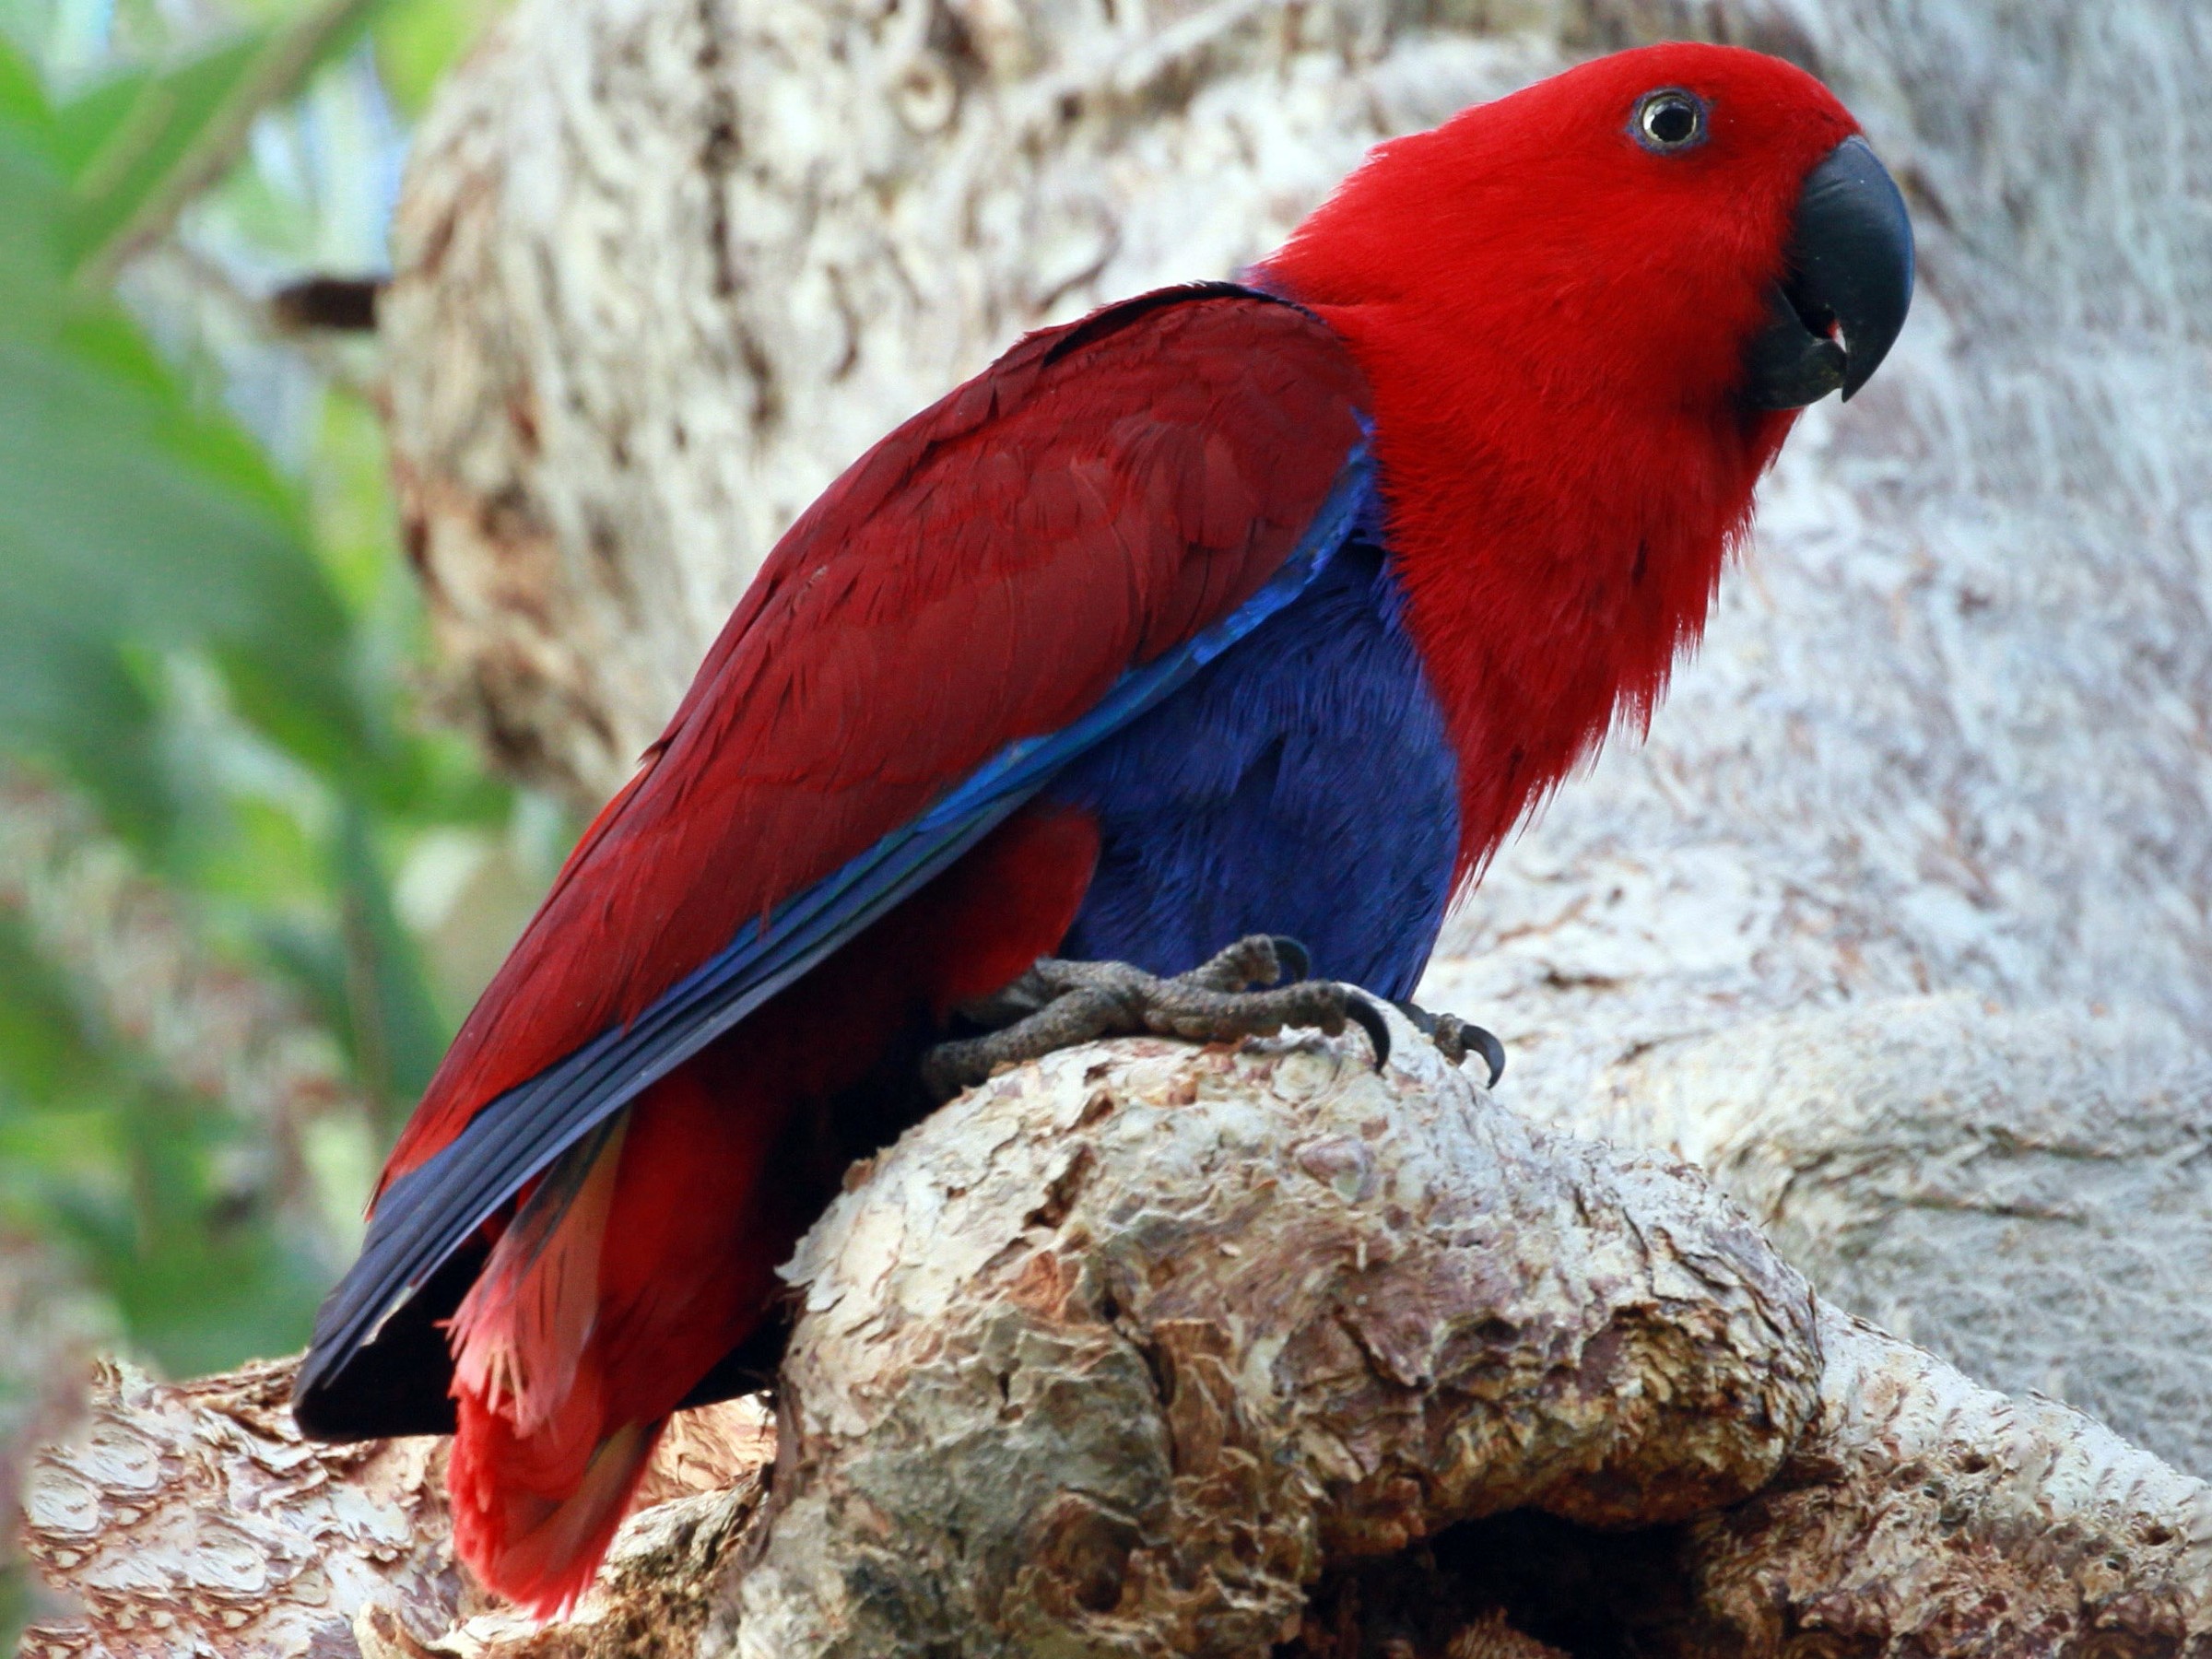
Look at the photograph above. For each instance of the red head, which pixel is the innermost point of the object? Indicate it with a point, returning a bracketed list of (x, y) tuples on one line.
[(1588, 313)]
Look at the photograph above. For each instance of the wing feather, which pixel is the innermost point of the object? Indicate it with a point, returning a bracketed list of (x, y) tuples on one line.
[(1004, 581)]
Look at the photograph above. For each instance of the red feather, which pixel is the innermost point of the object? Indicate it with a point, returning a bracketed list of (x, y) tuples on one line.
[(984, 574)]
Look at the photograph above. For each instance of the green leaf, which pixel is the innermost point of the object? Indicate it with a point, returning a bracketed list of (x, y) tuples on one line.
[(47, 1055), (128, 513), (178, 131), (78, 705), (392, 1020), (32, 256), (26, 117), (85, 124), (128, 137), (418, 41), (130, 518)]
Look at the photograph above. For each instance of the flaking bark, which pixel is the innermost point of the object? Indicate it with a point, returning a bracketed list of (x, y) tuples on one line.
[(1155, 1349), (1191, 1328), (192, 1519)]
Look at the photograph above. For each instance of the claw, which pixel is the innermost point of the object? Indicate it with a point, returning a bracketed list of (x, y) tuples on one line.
[(1369, 1019), (1488, 1047), (1294, 959), (1455, 1038)]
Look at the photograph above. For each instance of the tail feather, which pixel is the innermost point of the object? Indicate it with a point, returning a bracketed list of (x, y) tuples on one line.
[(636, 1263), (518, 1336), (642, 1259), (539, 1544)]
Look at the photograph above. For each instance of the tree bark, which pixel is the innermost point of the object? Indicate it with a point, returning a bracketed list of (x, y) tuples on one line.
[(192, 1518), (1211, 1350)]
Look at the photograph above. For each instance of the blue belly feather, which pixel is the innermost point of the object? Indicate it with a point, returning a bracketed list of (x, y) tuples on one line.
[(1300, 783)]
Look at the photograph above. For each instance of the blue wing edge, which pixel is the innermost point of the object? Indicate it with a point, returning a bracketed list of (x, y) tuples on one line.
[(431, 1210)]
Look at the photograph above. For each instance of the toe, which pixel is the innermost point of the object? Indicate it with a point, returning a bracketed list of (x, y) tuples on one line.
[(1417, 1017), (1251, 960)]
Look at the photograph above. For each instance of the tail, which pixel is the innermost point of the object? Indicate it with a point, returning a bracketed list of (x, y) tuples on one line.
[(649, 1251), (537, 1542), (626, 1273)]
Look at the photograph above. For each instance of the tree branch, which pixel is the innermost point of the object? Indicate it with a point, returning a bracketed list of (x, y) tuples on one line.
[(1207, 1345)]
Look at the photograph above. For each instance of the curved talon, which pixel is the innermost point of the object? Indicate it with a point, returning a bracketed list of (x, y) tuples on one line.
[(1474, 1038), (1363, 1013), (1456, 1037), (1294, 960)]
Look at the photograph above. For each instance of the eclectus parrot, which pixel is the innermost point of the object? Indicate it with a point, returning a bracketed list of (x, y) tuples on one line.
[(1231, 615)]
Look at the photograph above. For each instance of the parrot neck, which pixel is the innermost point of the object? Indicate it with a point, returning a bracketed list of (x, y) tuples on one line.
[(1558, 544)]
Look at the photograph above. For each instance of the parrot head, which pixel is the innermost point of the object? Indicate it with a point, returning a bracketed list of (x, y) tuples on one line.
[(1589, 314), (1700, 225)]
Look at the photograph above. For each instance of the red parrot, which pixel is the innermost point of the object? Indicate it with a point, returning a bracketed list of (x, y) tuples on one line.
[(1242, 612)]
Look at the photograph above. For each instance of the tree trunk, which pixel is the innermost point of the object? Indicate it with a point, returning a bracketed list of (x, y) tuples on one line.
[(1897, 925), (1945, 735)]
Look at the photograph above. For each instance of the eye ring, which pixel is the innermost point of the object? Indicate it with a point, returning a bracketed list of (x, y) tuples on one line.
[(1669, 120)]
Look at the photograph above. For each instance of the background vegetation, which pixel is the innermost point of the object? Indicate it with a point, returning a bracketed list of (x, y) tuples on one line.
[(245, 889)]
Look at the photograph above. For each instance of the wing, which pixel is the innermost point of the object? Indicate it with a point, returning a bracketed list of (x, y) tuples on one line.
[(1009, 577)]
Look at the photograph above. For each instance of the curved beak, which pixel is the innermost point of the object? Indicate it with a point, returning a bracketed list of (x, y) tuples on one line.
[(1850, 283)]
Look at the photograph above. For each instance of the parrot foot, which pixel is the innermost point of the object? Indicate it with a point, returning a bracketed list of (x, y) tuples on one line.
[(1455, 1039), (1059, 1004)]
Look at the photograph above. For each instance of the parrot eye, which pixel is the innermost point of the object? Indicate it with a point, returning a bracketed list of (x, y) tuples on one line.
[(1669, 120)]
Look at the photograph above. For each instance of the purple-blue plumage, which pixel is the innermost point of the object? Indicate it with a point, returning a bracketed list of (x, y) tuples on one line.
[(1300, 784)]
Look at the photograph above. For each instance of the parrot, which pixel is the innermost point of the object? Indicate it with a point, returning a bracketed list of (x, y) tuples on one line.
[(1178, 672)]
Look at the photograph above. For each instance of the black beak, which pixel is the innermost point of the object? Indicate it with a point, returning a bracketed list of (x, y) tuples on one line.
[(1850, 276)]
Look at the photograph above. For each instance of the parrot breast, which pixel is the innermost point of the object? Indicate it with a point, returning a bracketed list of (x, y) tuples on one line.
[(1302, 785)]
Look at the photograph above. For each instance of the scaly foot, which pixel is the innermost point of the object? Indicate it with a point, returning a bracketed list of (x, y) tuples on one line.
[(1057, 1004)]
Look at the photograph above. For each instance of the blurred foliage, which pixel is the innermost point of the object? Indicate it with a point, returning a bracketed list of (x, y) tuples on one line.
[(209, 641), (116, 1162)]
